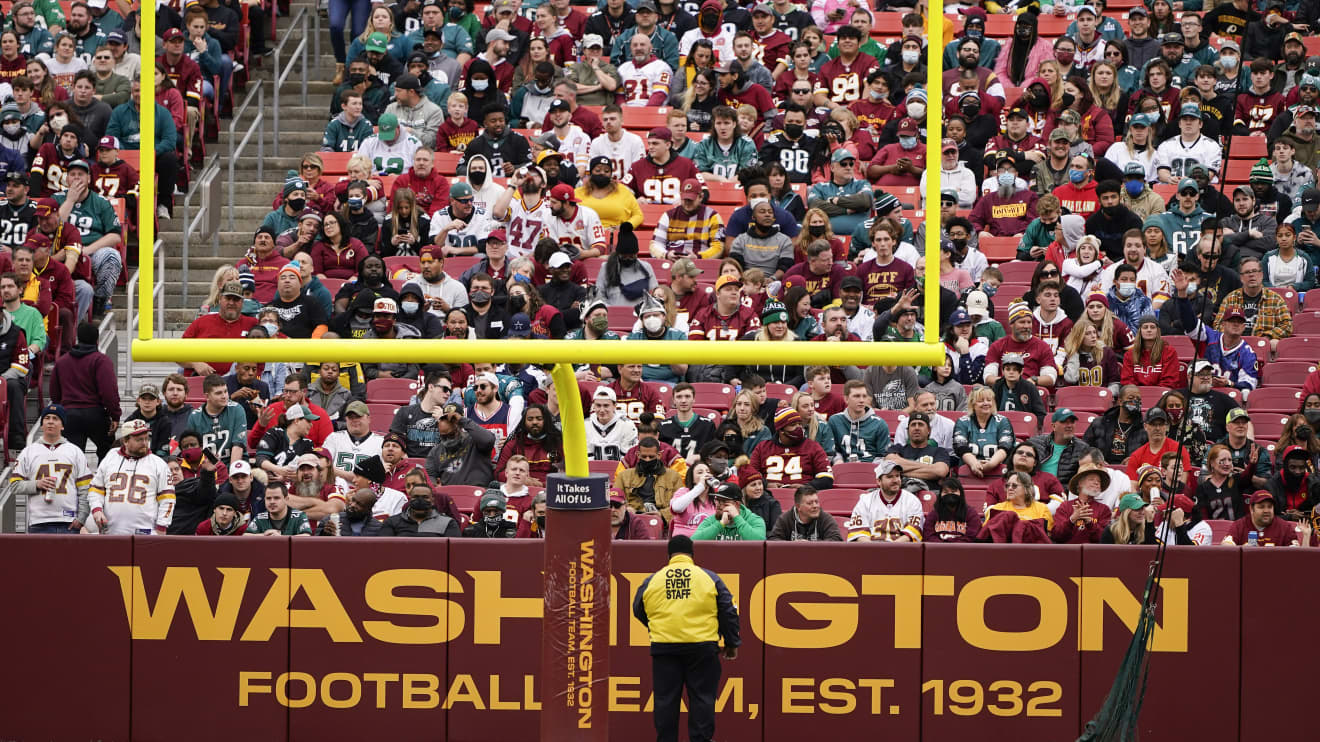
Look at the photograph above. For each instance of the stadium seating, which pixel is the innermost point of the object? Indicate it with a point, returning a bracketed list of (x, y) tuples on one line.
[(1274, 399), (1083, 398)]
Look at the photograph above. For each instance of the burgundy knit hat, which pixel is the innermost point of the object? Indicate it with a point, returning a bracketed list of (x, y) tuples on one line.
[(1097, 296)]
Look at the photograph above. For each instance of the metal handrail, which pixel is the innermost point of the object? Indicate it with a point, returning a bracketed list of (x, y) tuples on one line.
[(208, 176), (9, 505), (258, 126), (157, 294), (282, 73)]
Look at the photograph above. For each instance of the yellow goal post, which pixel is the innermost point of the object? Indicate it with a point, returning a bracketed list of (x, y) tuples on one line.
[(561, 353)]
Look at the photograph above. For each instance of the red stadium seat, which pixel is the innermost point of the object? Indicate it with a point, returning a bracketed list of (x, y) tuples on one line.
[(1085, 398), (447, 162), (1084, 420), (1151, 394), (1183, 345), (1311, 302), (621, 319), (841, 500), (1251, 148), (713, 395), (457, 264), (1286, 373), (1289, 297), (1025, 424), (335, 163), (998, 249), (891, 419), (396, 263), (391, 391), (783, 495), (603, 467), (381, 416), (1307, 323), (1268, 426), (783, 392), (854, 474), (1018, 271), (1261, 347), (1299, 348), (714, 416), (1218, 529), (195, 391), (1237, 171), (1275, 399)]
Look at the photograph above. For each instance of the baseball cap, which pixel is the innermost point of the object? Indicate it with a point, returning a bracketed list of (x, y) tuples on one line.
[(308, 459), (1190, 110), (684, 267), (520, 325), (599, 160), (377, 41), (172, 35), (17, 176), (300, 412), (1069, 116), (1087, 9), (1156, 414), (1134, 169), (764, 8), (1310, 196), (852, 282), (498, 34), (498, 235), (1187, 183), (948, 145), (559, 104), (1172, 37), (604, 392), (232, 288), (1293, 36), (662, 133), (1016, 112), (842, 154), (616, 495), (388, 126), (559, 260), (357, 407), (691, 187), (723, 281), (134, 427), (978, 303), (1202, 365), (564, 192), (727, 491), (108, 142), (1059, 134), (1237, 413), (408, 81), (885, 466), (950, 195), (384, 305), (460, 190), (149, 390), (240, 467), (1141, 119), (1260, 496), (116, 37), (1230, 44), (907, 126), (1062, 414), (592, 41), (547, 154), (1138, 10), (959, 317), (646, 5), (1233, 313), (80, 163)]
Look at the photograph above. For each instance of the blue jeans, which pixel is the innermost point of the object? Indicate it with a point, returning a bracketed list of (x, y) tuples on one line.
[(339, 10), (51, 529)]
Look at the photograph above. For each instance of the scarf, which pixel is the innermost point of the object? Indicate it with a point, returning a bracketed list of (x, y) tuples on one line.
[(220, 530)]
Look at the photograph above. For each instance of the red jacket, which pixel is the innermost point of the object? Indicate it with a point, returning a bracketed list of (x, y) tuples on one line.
[(541, 461), (57, 277), (341, 263), (322, 198), (1144, 455), (432, 192), (321, 429), (1166, 373)]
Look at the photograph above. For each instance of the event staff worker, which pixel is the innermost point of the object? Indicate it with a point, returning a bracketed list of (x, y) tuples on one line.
[(688, 610)]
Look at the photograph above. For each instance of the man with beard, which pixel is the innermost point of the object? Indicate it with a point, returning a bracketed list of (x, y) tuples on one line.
[(1308, 95), (463, 452), (969, 56), (18, 214), (441, 292), (150, 509), (88, 35), (505, 149), (524, 209), (575, 228), (420, 518), (1118, 433), (887, 513), (489, 411), (310, 493), (1008, 210), (356, 518), (1038, 358), (625, 51), (301, 316), (1263, 521), (632, 526), (538, 440), (790, 145), (228, 322)]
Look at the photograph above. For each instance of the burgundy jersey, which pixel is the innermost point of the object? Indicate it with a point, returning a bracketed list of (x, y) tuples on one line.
[(451, 138), (1257, 112), (790, 466), (50, 170), (884, 281), (843, 82), (800, 275), (1029, 143), (641, 398), (873, 115), (772, 49), (67, 236), (709, 324), (690, 304), (119, 180), (658, 184), (187, 77)]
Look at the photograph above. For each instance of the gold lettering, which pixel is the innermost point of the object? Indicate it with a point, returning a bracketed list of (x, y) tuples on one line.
[(326, 611), (638, 636), (792, 695), (847, 703), (354, 696), (425, 686), (490, 607), (529, 693), (1052, 626), (246, 687), (380, 597), (620, 696), (382, 681), (841, 617), (495, 703), (907, 591), (282, 689), (732, 691), (877, 686), (147, 621), (463, 690), (1097, 593)]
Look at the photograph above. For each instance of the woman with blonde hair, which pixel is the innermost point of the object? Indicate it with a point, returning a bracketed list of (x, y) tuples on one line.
[(1113, 332), (1052, 73), (816, 225), (1021, 501), (223, 275), (983, 438), (359, 168), (813, 421), (1130, 524), (1108, 94), (1157, 247), (397, 47), (700, 57), (1088, 361), (745, 414), (405, 230)]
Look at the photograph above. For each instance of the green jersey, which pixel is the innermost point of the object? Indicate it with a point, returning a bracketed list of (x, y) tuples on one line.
[(93, 216), (295, 523)]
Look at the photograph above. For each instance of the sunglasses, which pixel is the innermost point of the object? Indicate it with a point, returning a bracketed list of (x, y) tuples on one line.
[(1049, 274), (616, 505), (802, 91)]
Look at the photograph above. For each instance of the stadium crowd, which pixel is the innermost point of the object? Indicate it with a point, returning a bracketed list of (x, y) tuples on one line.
[(1122, 190)]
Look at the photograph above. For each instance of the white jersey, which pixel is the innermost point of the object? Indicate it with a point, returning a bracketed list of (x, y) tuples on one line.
[(1200, 534), (721, 42), (629, 149), (390, 502), (886, 521), (525, 225), (470, 235), (1152, 280), (134, 493), (63, 462), (345, 453), (610, 441), (575, 146), (451, 291), (390, 159), (640, 83), (1179, 157), (582, 232)]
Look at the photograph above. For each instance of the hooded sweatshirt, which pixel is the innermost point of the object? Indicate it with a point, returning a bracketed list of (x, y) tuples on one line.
[(1181, 231), (864, 439), (342, 136), (85, 377)]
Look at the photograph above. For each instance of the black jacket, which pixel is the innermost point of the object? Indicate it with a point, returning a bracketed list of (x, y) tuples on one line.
[(479, 529), (1068, 460), (767, 507), (1110, 230), (1101, 431), (194, 499), (436, 525), (510, 147)]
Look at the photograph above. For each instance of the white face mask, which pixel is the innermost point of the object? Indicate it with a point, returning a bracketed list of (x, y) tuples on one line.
[(910, 57), (653, 322), (1126, 290), (58, 122), (14, 128), (916, 110), (410, 306)]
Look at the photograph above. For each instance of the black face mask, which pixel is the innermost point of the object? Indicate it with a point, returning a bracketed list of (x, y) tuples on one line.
[(627, 262), (517, 303), (650, 468), (1302, 433), (420, 505), (356, 78), (949, 501), (1068, 99), (477, 177), (356, 516), (1022, 32), (540, 523), (971, 109), (1039, 100), (1292, 480), (297, 204), (600, 181), (793, 130), (816, 230)]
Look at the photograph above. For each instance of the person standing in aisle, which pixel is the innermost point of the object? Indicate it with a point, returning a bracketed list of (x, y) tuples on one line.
[(687, 610)]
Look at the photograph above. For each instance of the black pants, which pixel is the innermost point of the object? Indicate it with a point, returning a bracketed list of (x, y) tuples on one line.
[(89, 423), (699, 670), (16, 394), (167, 174)]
